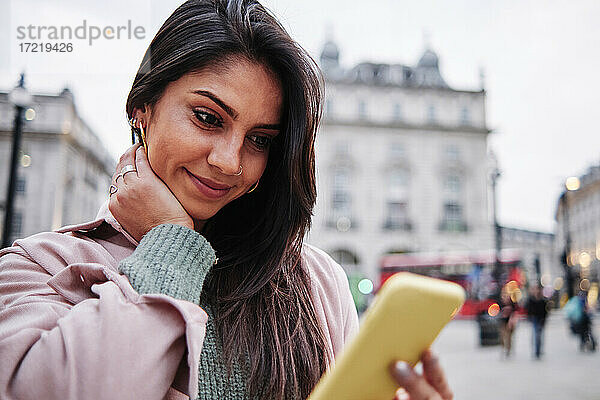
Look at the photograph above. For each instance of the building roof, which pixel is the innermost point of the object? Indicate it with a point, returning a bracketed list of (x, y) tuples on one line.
[(426, 74), (57, 115), (590, 184)]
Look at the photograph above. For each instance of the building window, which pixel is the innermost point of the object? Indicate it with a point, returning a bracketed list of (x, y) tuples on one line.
[(341, 203), (398, 182), (20, 184), (17, 224), (397, 205), (431, 114), (397, 216), (453, 218), (362, 109), (346, 259), (397, 112), (341, 200), (342, 148), (452, 184), (397, 151), (397, 185), (452, 153), (465, 118)]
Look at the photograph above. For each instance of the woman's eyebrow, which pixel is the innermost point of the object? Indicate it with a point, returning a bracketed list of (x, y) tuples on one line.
[(232, 113), (275, 127)]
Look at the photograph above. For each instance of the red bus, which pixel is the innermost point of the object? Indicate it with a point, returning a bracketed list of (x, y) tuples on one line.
[(472, 270)]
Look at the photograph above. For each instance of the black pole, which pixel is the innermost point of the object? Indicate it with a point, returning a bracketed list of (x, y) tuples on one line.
[(538, 270), (497, 274), (14, 165), (569, 278)]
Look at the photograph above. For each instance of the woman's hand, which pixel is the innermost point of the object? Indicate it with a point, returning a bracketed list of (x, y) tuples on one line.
[(142, 201), (432, 385)]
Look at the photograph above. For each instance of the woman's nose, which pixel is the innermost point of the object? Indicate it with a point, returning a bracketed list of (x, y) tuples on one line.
[(225, 154)]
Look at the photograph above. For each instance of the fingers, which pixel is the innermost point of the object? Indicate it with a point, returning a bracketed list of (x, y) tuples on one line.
[(413, 383), (127, 158), (141, 161), (434, 375), (402, 394)]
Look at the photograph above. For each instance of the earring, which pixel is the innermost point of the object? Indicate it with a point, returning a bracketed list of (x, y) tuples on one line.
[(132, 121), (253, 187), (143, 134)]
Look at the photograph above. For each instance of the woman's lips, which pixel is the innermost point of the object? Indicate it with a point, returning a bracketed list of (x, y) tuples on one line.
[(209, 188)]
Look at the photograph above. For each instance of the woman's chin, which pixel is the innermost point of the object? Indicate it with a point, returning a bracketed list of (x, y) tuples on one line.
[(201, 217)]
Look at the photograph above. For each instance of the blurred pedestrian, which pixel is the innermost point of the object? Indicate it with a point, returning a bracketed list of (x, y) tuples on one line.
[(580, 321), (537, 310), (508, 321)]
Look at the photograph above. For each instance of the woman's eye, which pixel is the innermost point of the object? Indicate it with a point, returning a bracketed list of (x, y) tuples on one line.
[(208, 118), (261, 142)]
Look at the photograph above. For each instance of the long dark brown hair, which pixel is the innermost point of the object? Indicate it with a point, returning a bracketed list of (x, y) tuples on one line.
[(260, 287)]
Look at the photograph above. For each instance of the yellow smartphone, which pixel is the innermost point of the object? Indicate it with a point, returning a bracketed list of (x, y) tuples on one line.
[(406, 316)]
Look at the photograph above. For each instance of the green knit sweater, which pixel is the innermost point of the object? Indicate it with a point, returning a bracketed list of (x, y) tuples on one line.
[(174, 260)]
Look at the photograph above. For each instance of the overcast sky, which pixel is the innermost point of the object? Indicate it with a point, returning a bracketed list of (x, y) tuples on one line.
[(541, 61)]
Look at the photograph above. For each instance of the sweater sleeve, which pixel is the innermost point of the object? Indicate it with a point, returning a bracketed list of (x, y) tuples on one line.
[(172, 260), (84, 332)]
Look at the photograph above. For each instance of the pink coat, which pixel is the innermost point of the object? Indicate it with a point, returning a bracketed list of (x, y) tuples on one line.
[(72, 327)]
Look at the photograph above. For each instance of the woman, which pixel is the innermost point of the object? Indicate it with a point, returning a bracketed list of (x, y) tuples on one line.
[(193, 280), (508, 321)]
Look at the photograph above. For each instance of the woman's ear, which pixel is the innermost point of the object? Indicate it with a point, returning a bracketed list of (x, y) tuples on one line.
[(142, 115)]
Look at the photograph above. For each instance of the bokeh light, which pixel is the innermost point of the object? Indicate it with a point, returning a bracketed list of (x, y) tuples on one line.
[(592, 297), (558, 283), (545, 280), (26, 160), (493, 309), (584, 284), (516, 295), (30, 114), (572, 183), (365, 286), (343, 224), (585, 259)]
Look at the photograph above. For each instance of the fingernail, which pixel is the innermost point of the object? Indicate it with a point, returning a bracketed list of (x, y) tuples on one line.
[(429, 357), (402, 369)]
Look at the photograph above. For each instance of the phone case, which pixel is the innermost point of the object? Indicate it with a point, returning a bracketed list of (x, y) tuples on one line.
[(406, 316)]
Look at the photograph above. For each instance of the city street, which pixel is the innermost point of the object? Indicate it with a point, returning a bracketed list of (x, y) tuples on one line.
[(480, 373)]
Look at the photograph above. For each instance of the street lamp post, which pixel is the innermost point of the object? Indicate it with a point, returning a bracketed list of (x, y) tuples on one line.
[(572, 184), (497, 274), (21, 99)]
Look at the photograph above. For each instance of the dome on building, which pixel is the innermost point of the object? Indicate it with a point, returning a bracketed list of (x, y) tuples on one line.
[(330, 60), (427, 73), (330, 52), (428, 60)]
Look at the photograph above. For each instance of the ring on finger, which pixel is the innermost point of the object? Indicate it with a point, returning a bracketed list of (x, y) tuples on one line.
[(112, 190), (125, 173), (127, 168)]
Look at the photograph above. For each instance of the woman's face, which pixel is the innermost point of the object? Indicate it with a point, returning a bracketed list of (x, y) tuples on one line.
[(205, 126)]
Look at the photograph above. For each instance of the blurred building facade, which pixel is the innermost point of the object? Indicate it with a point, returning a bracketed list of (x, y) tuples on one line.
[(65, 170), (578, 222), (536, 251), (402, 164)]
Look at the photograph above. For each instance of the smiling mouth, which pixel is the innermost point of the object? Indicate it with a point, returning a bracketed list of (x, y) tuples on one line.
[(209, 188)]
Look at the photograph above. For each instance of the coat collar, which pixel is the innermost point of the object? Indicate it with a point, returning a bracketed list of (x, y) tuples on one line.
[(103, 217)]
